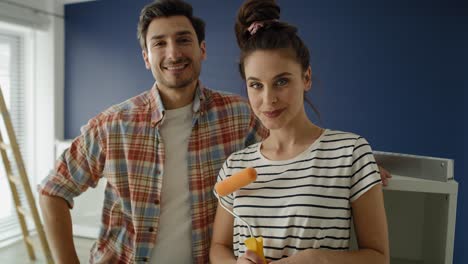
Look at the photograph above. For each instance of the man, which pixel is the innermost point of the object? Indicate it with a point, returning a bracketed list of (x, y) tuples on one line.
[(160, 153)]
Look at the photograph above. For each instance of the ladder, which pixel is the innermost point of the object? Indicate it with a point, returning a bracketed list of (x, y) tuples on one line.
[(15, 182)]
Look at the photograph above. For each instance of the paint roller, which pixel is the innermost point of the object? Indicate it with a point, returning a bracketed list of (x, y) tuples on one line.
[(232, 184)]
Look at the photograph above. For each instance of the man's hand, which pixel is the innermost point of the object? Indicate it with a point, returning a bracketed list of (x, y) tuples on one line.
[(384, 175)]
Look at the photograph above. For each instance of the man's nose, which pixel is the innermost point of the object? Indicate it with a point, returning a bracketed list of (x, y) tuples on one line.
[(173, 51)]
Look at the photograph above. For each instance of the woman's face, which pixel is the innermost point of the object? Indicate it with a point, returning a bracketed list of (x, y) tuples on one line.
[(275, 86)]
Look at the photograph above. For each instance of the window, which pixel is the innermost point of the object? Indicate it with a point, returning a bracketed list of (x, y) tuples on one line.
[(5, 77), (32, 68), (13, 85)]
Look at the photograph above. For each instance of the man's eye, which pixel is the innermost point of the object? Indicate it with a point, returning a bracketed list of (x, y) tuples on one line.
[(185, 40), (158, 44)]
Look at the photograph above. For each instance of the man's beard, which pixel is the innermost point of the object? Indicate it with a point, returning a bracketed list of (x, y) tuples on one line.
[(179, 83)]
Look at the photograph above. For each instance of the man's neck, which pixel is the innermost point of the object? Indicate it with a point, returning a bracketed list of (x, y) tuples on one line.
[(174, 98)]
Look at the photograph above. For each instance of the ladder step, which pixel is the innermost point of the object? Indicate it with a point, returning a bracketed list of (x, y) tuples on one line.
[(14, 179), (4, 146), (29, 240), (23, 211)]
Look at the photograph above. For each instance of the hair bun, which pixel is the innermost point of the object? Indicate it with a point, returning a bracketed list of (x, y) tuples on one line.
[(254, 11)]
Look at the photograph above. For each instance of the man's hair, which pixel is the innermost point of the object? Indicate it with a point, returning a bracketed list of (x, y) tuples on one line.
[(168, 8)]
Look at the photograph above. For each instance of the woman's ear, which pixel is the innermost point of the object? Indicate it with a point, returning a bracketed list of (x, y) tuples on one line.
[(308, 79)]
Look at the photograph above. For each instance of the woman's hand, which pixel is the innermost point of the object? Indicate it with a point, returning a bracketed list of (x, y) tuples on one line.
[(250, 257), (304, 256)]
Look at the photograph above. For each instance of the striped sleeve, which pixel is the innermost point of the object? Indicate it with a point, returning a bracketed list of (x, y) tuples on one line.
[(225, 172), (365, 173)]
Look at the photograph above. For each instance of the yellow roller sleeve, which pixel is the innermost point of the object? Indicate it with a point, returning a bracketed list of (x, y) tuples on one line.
[(255, 245)]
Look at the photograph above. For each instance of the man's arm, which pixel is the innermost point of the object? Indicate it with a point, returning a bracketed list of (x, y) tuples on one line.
[(78, 168), (58, 228)]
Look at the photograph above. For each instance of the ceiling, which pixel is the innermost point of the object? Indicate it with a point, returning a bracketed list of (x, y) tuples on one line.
[(75, 1)]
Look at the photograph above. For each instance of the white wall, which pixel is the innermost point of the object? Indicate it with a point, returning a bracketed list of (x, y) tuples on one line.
[(48, 91)]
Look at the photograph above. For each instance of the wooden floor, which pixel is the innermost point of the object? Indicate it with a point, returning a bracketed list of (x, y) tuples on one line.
[(17, 254)]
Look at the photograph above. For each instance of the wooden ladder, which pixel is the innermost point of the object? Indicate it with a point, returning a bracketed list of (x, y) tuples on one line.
[(15, 182)]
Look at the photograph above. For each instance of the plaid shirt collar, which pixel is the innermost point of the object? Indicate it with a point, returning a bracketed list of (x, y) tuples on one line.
[(157, 106)]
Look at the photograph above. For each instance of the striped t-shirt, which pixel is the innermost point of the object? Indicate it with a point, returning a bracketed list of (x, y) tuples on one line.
[(303, 202)]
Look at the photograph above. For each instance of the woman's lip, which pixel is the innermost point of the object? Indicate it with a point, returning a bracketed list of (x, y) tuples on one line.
[(273, 114)]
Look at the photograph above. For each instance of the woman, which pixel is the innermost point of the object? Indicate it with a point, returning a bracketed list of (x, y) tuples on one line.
[(310, 179)]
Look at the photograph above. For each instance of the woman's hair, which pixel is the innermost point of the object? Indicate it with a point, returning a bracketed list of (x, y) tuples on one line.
[(267, 32), (258, 28)]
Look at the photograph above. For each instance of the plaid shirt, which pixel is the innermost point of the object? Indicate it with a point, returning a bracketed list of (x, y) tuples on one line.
[(123, 145)]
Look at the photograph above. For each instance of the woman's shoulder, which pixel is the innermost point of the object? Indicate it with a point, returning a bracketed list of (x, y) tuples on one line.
[(331, 135), (341, 141), (249, 151), (247, 157), (338, 134)]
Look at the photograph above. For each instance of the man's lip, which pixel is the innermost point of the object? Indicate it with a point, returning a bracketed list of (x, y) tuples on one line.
[(175, 67)]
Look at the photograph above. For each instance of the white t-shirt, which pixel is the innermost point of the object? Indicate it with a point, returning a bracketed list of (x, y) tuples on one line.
[(304, 202), (174, 236)]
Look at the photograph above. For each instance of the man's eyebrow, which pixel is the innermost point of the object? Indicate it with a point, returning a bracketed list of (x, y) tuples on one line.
[(184, 32), (179, 33)]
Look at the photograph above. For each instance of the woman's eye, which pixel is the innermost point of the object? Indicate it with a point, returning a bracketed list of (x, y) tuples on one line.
[(255, 85), (282, 82)]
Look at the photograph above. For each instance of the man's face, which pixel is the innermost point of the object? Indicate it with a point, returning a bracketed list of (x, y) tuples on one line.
[(173, 53)]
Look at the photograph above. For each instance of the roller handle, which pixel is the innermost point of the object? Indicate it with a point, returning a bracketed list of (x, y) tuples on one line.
[(255, 245)]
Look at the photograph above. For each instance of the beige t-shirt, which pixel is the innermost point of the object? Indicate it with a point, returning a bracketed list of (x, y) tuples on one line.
[(174, 239)]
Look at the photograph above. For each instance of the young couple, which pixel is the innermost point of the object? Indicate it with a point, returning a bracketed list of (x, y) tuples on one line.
[(161, 153)]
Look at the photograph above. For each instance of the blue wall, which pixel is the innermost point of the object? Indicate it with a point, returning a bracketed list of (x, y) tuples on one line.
[(392, 71)]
